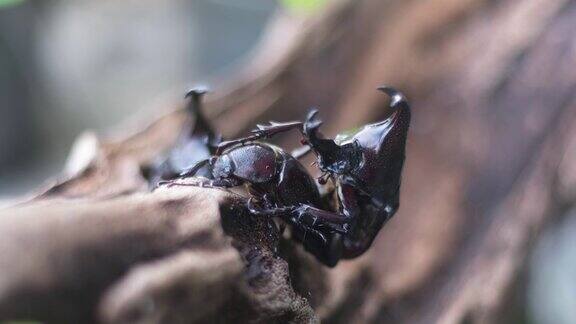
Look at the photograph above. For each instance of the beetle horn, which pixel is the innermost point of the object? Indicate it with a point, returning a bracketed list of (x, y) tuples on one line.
[(201, 126), (394, 129), (195, 95), (392, 133), (397, 99)]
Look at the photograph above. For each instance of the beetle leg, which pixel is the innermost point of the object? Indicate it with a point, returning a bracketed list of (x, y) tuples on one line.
[(271, 212), (286, 213), (193, 170), (310, 228), (305, 215), (262, 131), (301, 231), (274, 128), (222, 183), (318, 218), (317, 233), (204, 183), (241, 141), (170, 178)]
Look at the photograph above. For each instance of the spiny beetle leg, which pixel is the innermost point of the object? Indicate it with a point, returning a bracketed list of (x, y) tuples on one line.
[(270, 212), (262, 131), (306, 216), (193, 170), (203, 182), (312, 216), (274, 128)]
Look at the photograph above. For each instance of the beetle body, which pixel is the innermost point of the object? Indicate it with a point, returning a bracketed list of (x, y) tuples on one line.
[(275, 179), (366, 167), (284, 188), (269, 172)]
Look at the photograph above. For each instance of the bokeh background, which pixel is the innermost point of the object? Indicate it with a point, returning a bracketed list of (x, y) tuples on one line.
[(68, 66)]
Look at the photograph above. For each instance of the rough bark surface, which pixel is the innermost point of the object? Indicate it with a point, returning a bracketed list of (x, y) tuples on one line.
[(491, 159)]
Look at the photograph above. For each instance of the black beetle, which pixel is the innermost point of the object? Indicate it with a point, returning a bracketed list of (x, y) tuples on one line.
[(197, 142), (274, 178), (365, 166)]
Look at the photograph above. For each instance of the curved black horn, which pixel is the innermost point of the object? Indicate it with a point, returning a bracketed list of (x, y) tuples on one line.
[(195, 94), (397, 99)]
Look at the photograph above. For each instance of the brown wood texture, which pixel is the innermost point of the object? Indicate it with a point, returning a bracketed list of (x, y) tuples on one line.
[(491, 159)]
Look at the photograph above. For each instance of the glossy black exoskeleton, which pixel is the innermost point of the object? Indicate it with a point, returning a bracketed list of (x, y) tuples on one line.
[(197, 142), (366, 167), (278, 184)]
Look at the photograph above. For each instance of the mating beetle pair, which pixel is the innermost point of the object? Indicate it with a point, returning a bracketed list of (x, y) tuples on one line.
[(365, 168)]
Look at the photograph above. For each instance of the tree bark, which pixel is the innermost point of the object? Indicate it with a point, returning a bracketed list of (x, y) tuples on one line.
[(491, 159)]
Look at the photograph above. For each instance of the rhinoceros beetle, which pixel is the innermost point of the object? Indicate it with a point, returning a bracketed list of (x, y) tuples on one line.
[(197, 142), (365, 168)]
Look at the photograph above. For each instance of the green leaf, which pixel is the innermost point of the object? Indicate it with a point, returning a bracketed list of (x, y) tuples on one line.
[(306, 6), (9, 3)]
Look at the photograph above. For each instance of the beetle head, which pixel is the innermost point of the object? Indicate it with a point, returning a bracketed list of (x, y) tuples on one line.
[(370, 159), (334, 158)]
